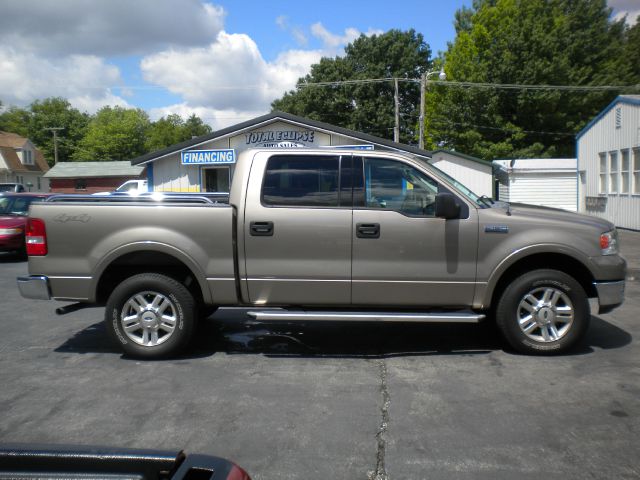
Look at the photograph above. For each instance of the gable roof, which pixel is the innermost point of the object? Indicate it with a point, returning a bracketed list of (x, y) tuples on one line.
[(624, 99), (94, 169), (270, 118), (462, 155), (12, 160), (13, 140)]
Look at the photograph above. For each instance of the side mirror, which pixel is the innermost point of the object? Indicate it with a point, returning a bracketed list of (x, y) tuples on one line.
[(447, 206)]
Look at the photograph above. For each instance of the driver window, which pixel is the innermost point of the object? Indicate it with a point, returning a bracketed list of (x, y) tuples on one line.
[(393, 185)]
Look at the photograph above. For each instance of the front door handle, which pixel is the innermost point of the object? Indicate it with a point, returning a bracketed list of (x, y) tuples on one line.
[(261, 229), (368, 230)]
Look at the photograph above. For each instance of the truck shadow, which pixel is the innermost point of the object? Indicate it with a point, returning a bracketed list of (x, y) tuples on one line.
[(229, 331)]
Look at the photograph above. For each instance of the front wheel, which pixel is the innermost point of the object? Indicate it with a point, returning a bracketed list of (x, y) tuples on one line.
[(543, 312), (151, 316)]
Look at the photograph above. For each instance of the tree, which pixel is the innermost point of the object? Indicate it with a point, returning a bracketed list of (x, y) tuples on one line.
[(114, 133), (57, 112), (173, 129), (366, 107), (536, 42), (15, 120)]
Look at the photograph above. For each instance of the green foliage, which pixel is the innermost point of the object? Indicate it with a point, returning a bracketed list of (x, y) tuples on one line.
[(15, 120), (114, 133), (538, 42), (365, 107), (56, 112), (173, 129)]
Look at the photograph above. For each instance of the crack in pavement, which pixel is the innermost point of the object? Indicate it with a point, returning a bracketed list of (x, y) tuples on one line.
[(380, 472)]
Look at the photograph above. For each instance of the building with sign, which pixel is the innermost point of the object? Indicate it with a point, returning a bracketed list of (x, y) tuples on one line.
[(206, 163), (608, 151)]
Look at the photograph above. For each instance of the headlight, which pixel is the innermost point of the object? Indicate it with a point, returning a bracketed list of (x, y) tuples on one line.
[(609, 242), (10, 231)]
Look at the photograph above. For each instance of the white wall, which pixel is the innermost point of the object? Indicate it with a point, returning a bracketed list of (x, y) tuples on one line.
[(474, 175), (623, 209), (552, 189)]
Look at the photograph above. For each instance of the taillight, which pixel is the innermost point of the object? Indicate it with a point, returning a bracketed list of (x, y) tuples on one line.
[(36, 237)]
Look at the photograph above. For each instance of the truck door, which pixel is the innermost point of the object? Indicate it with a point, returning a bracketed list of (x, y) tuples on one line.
[(402, 254), (297, 230)]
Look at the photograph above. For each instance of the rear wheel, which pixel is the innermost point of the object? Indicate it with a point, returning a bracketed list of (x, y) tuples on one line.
[(151, 316), (543, 312)]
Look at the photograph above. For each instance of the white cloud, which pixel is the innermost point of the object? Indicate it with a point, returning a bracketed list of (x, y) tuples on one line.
[(112, 27), (229, 74), (282, 21), (83, 79), (630, 8), (332, 41)]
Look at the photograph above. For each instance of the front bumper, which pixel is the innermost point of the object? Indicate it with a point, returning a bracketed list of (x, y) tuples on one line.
[(610, 295), (35, 287)]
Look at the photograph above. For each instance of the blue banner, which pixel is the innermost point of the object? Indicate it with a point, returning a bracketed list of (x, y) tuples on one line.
[(207, 157)]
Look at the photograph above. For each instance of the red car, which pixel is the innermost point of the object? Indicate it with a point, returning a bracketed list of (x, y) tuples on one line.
[(14, 208)]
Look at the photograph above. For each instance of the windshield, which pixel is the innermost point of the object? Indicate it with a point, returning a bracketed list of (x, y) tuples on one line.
[(482, 201), (15, 205), (7, 187)]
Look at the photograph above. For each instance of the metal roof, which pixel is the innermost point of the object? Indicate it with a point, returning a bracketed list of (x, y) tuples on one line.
[(94, 169), (462, 155), (270, 118), (537, 164)]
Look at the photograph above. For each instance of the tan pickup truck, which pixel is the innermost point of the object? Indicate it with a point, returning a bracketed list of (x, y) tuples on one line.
[(325, 235)]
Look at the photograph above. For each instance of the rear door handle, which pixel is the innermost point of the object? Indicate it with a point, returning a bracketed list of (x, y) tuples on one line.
[(261, 229), (368, 230)]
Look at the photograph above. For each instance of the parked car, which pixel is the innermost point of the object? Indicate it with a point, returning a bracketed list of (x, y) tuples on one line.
[(12, 187), (339, 236), (57, 462), (130, 187), (14, 208)]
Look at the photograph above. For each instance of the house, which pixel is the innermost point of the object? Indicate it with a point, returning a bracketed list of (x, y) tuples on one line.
[(549, 182), (92, 177), (21, 162), (608, 151)]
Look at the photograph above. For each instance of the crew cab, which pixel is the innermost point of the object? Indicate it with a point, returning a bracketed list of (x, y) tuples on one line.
[(325, 235)]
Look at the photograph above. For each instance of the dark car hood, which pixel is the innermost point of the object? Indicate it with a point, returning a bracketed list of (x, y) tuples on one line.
[(8, 221), (538, 212)]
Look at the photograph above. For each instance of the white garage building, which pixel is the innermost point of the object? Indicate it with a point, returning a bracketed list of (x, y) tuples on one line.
[(608, 151), (206, 164), (550, 182)]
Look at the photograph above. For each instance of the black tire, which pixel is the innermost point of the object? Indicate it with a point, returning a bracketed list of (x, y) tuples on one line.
[(175, 307), (554, 326)]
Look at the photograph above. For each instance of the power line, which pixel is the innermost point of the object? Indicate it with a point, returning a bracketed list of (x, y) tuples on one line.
[(538, 132)]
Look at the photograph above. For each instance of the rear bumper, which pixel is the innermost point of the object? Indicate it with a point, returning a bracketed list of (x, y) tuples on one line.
[(610, 295), (35, 287)]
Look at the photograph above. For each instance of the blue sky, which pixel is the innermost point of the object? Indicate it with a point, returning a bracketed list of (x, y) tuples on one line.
[(224, 60)]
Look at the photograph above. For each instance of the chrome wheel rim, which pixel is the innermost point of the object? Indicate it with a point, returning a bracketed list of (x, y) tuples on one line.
[(545, 314), (148, 318)]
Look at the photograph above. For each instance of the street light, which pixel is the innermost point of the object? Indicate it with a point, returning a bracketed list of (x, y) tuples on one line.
[(423, 88)]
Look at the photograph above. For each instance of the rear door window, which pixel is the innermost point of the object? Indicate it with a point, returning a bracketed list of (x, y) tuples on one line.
[(302, 181)]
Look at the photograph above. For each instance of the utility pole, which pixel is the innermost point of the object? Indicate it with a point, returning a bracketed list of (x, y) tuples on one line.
[(423, 88), (55, 142), (396, 129)]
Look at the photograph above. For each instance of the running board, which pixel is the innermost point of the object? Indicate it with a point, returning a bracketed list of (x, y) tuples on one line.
[(464, 316)]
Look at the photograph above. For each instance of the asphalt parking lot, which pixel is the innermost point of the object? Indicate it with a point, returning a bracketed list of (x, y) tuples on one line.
[(317, 401)]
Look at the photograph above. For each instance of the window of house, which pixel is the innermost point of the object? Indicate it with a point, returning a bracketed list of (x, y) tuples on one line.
[(624, 172), (393, 185), (636, 170), (301, 181), (39, 184), (602, 186), (81, 184), (614, 172)]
